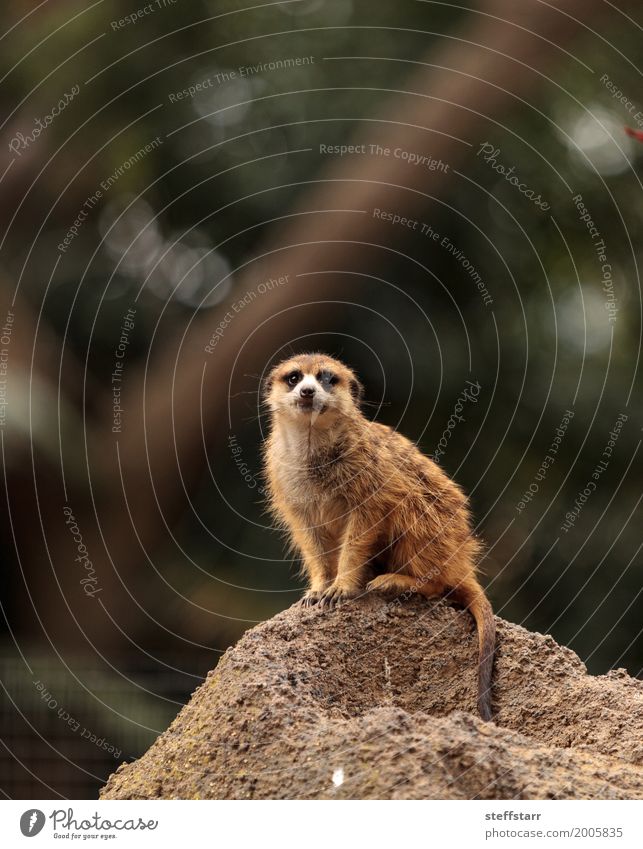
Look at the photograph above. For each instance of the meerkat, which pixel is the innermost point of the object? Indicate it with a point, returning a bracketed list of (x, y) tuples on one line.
[(364, 507)]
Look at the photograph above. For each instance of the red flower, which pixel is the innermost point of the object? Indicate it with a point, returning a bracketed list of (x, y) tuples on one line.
[(636, 134)]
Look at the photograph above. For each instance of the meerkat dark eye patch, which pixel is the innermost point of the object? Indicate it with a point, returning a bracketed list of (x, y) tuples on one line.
[(327, 378), (293, 378)]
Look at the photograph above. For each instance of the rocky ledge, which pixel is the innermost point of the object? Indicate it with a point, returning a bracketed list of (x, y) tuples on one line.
[(377, 700)]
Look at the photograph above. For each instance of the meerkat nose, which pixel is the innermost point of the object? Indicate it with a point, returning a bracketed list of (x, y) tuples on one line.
[(307, 391)]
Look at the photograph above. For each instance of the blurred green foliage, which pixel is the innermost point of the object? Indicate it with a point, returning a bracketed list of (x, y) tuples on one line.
[(221, 177)]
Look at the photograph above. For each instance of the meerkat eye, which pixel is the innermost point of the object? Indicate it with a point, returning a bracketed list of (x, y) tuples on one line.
[(293, 378), (328, 378)]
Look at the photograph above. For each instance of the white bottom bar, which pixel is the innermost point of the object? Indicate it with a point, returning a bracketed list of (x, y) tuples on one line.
[(314, 824)]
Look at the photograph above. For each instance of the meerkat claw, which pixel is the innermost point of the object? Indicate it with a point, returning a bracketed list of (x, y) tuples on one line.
[(334, 596), (310, 599), (328, 599)]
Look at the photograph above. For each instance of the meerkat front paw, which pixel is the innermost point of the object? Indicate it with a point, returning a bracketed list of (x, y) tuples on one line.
[(310, 598), (335, 595)]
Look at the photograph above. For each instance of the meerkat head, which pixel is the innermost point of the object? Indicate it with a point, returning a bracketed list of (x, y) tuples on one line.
[(312, 389)]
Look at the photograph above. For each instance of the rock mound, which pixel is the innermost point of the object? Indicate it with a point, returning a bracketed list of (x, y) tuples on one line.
[(378, 700)]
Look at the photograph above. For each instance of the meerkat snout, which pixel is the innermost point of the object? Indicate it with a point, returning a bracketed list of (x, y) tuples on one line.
[(307, 390)]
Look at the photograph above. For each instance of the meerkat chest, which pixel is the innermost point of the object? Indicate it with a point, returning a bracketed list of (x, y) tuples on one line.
[(313, 504), (308, 474)]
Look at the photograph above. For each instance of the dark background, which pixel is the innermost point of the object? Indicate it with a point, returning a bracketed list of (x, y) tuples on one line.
[(235, 193)]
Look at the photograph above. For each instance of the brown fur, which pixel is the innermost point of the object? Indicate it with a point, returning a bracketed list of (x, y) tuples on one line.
[(364, 507)]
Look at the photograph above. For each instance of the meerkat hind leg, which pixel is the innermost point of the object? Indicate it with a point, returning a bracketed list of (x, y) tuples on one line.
[(395, 582)]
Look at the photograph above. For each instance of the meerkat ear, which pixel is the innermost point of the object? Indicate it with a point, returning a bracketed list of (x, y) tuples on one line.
[(357, 390)]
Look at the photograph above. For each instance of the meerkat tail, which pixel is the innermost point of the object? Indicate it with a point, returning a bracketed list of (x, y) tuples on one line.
[(471, 595)]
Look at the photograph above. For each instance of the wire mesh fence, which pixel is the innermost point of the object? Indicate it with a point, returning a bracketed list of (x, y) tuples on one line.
[(66, 726)]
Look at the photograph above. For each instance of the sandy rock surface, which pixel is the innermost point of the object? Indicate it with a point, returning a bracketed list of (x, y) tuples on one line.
[(377, 700)]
